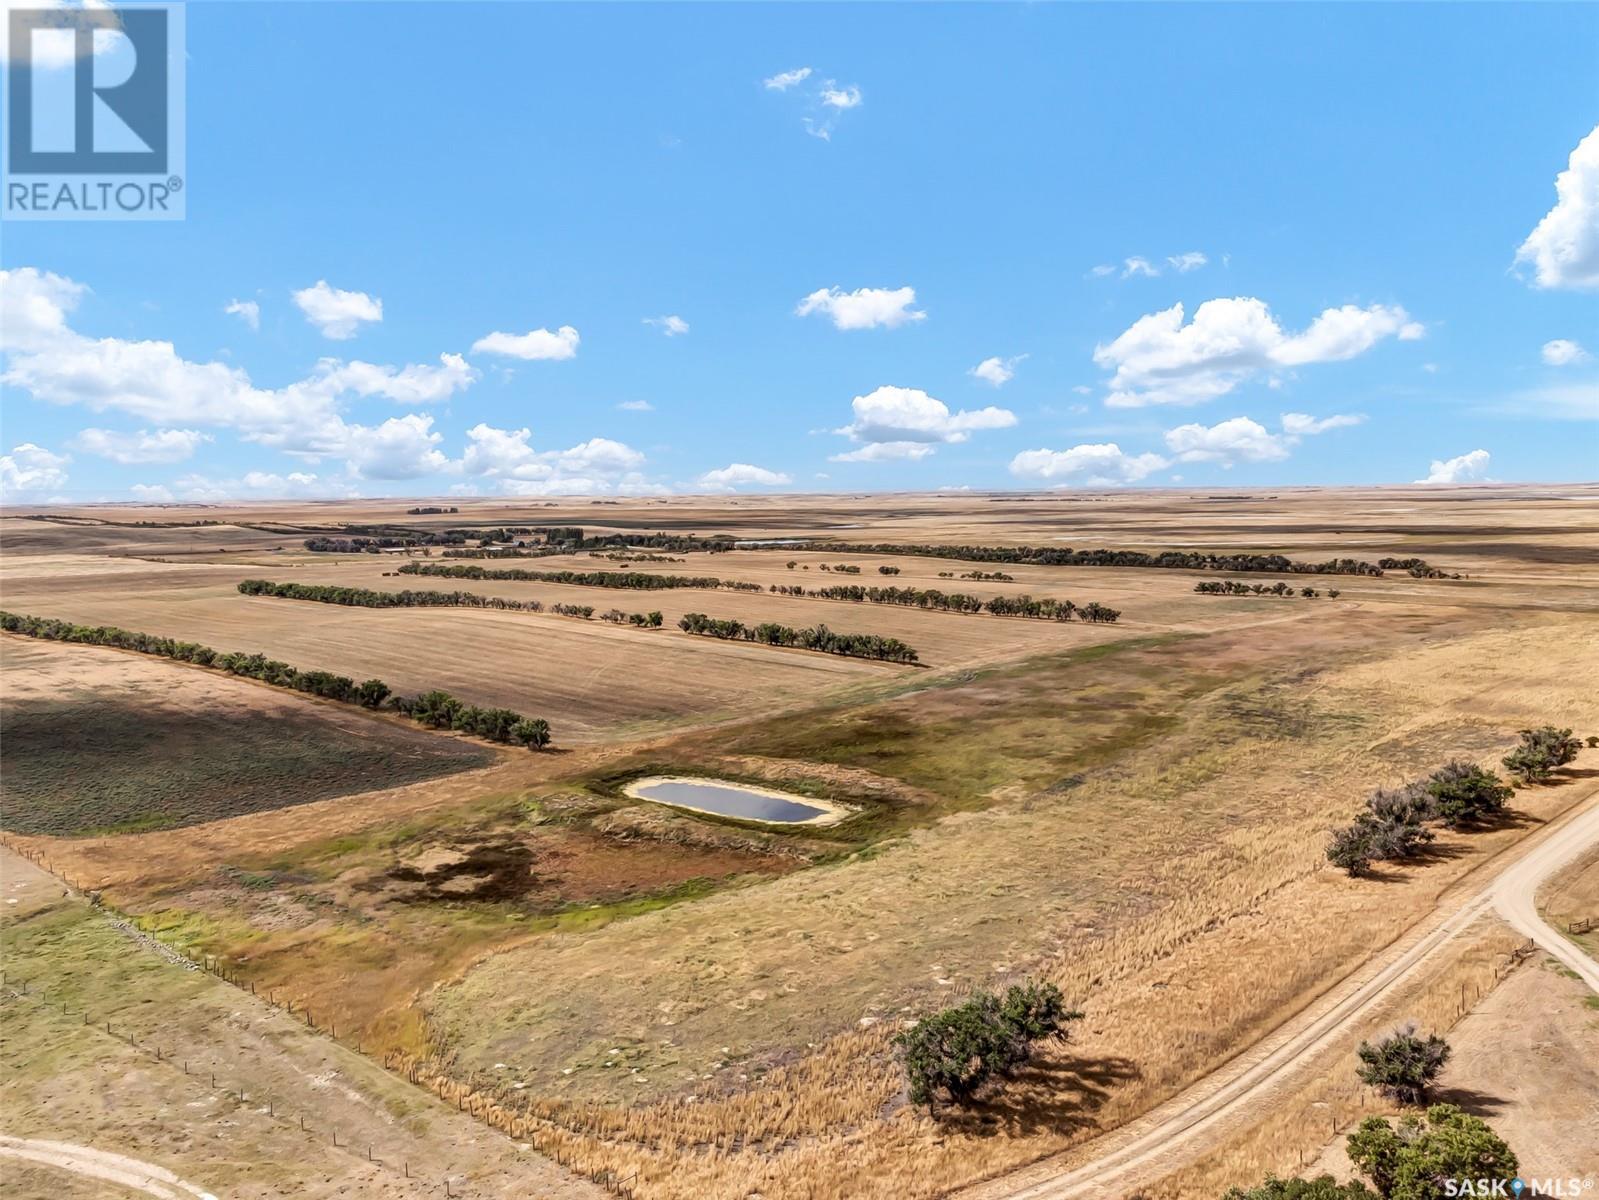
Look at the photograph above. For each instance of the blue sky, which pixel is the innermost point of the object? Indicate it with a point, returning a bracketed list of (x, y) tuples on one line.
[(456, 223)]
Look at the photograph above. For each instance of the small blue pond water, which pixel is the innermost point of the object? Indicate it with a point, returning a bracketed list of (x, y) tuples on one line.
[(727, 800)]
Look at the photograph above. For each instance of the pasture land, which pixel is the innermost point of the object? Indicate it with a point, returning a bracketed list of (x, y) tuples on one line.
[(1135, 811), (68, 1078), (103, 741)]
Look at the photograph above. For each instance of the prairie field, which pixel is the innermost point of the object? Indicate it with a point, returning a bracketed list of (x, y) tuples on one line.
[(111, 742), (1135, 810)]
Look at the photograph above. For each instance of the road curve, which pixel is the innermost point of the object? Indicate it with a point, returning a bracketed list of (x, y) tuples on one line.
[(1221, 1095), (103, 1166)]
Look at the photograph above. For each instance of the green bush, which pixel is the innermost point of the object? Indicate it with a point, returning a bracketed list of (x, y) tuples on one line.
[(1403, 1065), (1464, 794), (1540, 752), (1418, 1159), (1323, 1187), (956, 1051)]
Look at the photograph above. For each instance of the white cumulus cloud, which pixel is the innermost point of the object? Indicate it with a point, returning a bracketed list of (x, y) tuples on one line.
[(416, 383), (1563, 250), (263, 485), (897, 422), (636, 406), (598, 466), (671, 326), (996, 372), (1088, 465), (841, 97), (247, 311), (152, 383), (864, 308), (884, 452), (1304, 425), (142, 446), (31, 472), (1240, 439), (1229, 442), (1463, 468), (400, 448), (784, 80), (1184, 263), (337, 313), (1562, 352), (534, 345), (1161, 360), (1138, 265), (736, 475), (33, 307)]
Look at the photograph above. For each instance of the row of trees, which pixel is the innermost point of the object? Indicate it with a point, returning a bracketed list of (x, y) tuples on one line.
[(643, 580), (1233, 587), (1419, 567), (953, 1053), (347, 539), (440, 710), (960, 602), (1394, 823), (989, 576), (1048, 556), (649, 620), (355, 597), (819, 638), (372, 693)]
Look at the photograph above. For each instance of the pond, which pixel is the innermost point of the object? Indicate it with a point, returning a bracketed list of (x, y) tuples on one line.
[(741, 801)]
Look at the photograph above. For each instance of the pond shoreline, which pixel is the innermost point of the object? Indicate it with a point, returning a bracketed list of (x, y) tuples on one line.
[(829, 812)]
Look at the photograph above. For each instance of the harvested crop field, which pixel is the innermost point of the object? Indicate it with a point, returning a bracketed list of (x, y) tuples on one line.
[(584, 677), (100, 741)]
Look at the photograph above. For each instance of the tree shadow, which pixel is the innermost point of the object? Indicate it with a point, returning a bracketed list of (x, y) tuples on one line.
[(1398, 870), (1562, 774), (1058, 1095), (1477, 1103), (1510, 818)]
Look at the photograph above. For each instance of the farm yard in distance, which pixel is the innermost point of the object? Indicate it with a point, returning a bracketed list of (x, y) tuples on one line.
[(659, 1002)]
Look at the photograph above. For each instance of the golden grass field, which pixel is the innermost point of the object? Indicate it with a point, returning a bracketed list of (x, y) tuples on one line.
[(1136, 811)]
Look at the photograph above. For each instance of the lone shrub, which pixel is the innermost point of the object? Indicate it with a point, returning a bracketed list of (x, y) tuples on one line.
[(1403, 1065), (956, 1051), (1540, 752)]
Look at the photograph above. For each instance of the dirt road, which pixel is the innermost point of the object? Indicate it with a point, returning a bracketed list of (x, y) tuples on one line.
[(103, 1166), (1161, 1135)]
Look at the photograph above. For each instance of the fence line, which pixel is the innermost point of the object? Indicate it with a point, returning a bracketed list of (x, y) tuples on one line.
[(23, 988)]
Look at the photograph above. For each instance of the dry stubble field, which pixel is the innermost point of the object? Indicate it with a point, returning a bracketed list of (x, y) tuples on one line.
[(1136, 811)]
